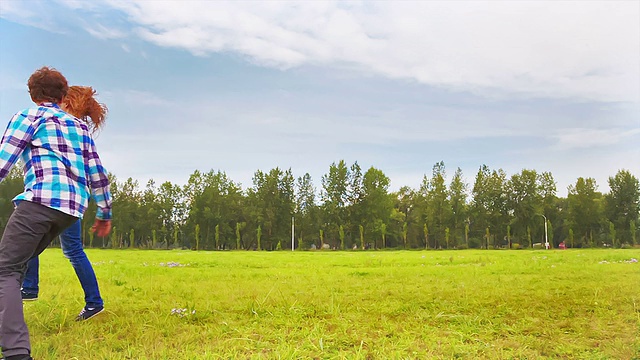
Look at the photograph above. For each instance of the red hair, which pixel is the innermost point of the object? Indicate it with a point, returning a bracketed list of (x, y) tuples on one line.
[(80, 102)]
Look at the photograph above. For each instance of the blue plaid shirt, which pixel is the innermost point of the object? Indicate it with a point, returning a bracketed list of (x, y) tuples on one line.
[(61, 165)]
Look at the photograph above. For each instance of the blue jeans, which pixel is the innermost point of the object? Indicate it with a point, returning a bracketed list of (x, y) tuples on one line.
[(71, 242)]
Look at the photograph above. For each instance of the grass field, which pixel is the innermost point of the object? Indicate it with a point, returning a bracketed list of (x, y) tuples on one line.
[(525, 304)]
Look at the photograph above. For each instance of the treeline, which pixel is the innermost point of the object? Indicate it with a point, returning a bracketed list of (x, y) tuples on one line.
[(350, 208)]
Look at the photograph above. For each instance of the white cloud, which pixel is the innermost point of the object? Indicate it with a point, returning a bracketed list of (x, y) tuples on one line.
[(28, 13), (585, 50), (588, 50), (78, 4), (582, 138), (103, 32)]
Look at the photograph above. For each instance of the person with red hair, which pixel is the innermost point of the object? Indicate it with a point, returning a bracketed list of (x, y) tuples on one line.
[(62, 170), (80, 102)]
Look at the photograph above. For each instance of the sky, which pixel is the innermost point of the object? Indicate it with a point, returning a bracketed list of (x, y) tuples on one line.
[(246, 86)]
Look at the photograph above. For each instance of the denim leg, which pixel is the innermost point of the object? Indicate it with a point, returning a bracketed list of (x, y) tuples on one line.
[(71, 242), (31, 278)]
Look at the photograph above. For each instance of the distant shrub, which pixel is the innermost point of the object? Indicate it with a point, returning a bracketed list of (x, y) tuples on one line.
[(515, 246), (462, 247), (474, 243)]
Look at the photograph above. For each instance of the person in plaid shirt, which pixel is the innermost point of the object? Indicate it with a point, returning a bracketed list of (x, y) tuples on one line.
[(81, 103), (61, 171)]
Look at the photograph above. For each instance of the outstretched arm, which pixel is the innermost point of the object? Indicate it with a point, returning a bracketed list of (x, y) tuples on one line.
[(99, 184), (16, 137)]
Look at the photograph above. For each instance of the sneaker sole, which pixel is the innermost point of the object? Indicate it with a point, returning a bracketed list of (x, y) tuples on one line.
[(30, 299), (92, 316)]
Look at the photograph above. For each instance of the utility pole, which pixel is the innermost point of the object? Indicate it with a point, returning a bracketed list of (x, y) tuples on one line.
[(546, 240)]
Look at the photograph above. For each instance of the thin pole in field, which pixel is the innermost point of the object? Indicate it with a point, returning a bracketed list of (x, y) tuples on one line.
[(293, 231), (546, 239)]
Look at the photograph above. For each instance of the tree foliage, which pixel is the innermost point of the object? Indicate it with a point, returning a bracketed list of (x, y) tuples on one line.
[(356, 210)]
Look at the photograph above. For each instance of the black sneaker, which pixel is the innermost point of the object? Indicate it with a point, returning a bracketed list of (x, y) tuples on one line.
[(17, 357), (28, 296), (87, 313)]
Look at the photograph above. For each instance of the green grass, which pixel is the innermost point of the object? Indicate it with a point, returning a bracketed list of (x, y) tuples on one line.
[(573, 304)]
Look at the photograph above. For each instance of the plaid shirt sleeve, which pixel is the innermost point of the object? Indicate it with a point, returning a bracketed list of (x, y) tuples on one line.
[(99, 181), (16, 137)]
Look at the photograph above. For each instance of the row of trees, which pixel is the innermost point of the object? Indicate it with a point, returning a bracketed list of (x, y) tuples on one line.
[(356, 209)]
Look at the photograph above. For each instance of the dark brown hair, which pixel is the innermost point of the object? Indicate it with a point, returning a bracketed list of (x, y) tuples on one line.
[(80, 102), (47, 84)]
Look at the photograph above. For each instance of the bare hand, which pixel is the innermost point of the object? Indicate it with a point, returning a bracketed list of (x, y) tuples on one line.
[(101, 228)]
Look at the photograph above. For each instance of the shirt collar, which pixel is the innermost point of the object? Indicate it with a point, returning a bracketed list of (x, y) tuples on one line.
[(49, 104)]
